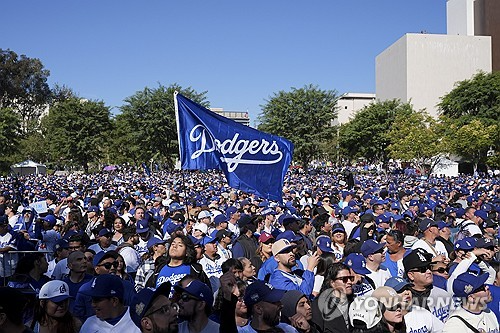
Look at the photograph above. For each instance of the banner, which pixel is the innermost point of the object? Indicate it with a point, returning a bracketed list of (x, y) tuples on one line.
[(253, 161)]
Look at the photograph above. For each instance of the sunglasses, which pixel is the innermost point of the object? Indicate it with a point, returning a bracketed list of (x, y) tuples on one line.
[(326, 200), (441, 270), (186, 298), (395, 308), (420, 269), (108, 265), (164, 309), (345, 279)]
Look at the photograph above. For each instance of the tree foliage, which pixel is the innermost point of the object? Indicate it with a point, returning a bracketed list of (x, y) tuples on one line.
[(478, 97), (9, 136), (23, 87), (417, 137), (77, 131), (302, 115), (146, 127), (367, 134), (473, 140)]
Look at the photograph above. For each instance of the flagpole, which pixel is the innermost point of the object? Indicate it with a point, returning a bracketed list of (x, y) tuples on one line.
[(176, 108)]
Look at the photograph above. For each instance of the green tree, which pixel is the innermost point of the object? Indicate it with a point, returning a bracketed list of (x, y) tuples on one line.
[(9, 136), (472, 141), (146, 127), (366, 135), (476, 98), (304, 116), (77, 131), (23, 87), (417, 137)]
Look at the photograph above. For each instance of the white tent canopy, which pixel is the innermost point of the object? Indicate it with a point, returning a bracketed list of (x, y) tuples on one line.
[(28, 167)]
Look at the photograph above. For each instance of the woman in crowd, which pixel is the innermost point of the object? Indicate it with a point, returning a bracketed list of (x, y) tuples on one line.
[(264, 250), (51, 313), (121, 270), (339, 240), (391, 307), (330, 308), (249, 274), (118, 227), (325, 261)]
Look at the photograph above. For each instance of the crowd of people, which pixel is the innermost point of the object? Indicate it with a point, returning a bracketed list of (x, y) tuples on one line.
[(184, 252)]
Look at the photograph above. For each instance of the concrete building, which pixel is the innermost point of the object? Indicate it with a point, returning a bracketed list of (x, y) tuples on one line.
[(421, 68), (349, 103), (476, 18), (238, 116)]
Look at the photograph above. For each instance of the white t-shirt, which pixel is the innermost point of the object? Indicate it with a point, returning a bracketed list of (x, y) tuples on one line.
[(379, 277), (131, 257), (348, 226), (438, 249), (421, 320), (486, 321)]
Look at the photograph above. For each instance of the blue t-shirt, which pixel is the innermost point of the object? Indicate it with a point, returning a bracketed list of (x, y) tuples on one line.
[(494, 305), (172, 274)]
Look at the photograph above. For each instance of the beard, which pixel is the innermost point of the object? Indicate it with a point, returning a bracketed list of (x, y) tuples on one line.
[(167, 329), (271, 319)]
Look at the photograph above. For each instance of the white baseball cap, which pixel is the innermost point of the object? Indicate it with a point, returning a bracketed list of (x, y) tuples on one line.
[(203, 214), (201, 226), (55, 290)]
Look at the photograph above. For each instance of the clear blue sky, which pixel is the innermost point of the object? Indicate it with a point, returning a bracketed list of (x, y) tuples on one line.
[(241, 52)]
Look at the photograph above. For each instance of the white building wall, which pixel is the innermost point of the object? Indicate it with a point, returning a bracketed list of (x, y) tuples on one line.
[(460, 17), (434, 63), (350, 103)]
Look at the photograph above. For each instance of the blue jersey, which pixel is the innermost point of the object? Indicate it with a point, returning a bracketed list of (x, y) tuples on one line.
[(172, 274)]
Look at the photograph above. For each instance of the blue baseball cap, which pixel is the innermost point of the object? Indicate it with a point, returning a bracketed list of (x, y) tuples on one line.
[(371, 246), (61, 244), (413, 203), (145, 298), (207, 240), (142, 226), (467, 283), (467, 244), (357, 263), (106, 285), (175, 206), (93, 209), (348, 210), (482, 214), (382, 218), (337, 227), (442, 225), (426, 224), (197, 289), (230, 211), (324, 243), (268, 211), (104, 232), (260, 291), (289, 235), (397, 283), (221, 218), (155, 241)]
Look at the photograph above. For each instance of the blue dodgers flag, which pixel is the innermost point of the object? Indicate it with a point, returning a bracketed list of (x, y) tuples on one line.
[(253, 161)]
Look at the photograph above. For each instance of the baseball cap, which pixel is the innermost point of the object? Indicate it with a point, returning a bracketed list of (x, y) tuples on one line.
[(441, 225), (324, 243), (155, 241), (61, 244), (482, 214), (282, 245), (289, 235), (197, 289), (266, 238), (426, 224), (230, 211), (288, 219), (348, 210), (370, 246), (93, 209), (467, 244), (105, 232), (260, 291), (337, 227), (268, 211), (357, 263), (387, 296), (4, 220), (223, 233), (55, 290), (397, 283), (489, 223), (101, 256), (467, 283), (145, 298), (106, 285), (175, 206), (364, 313), (220, 219), (208, 240), (416, 258), (413, 203), (484, 243), (142, 226), (204, 214), (50, 219), (201, 227)]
